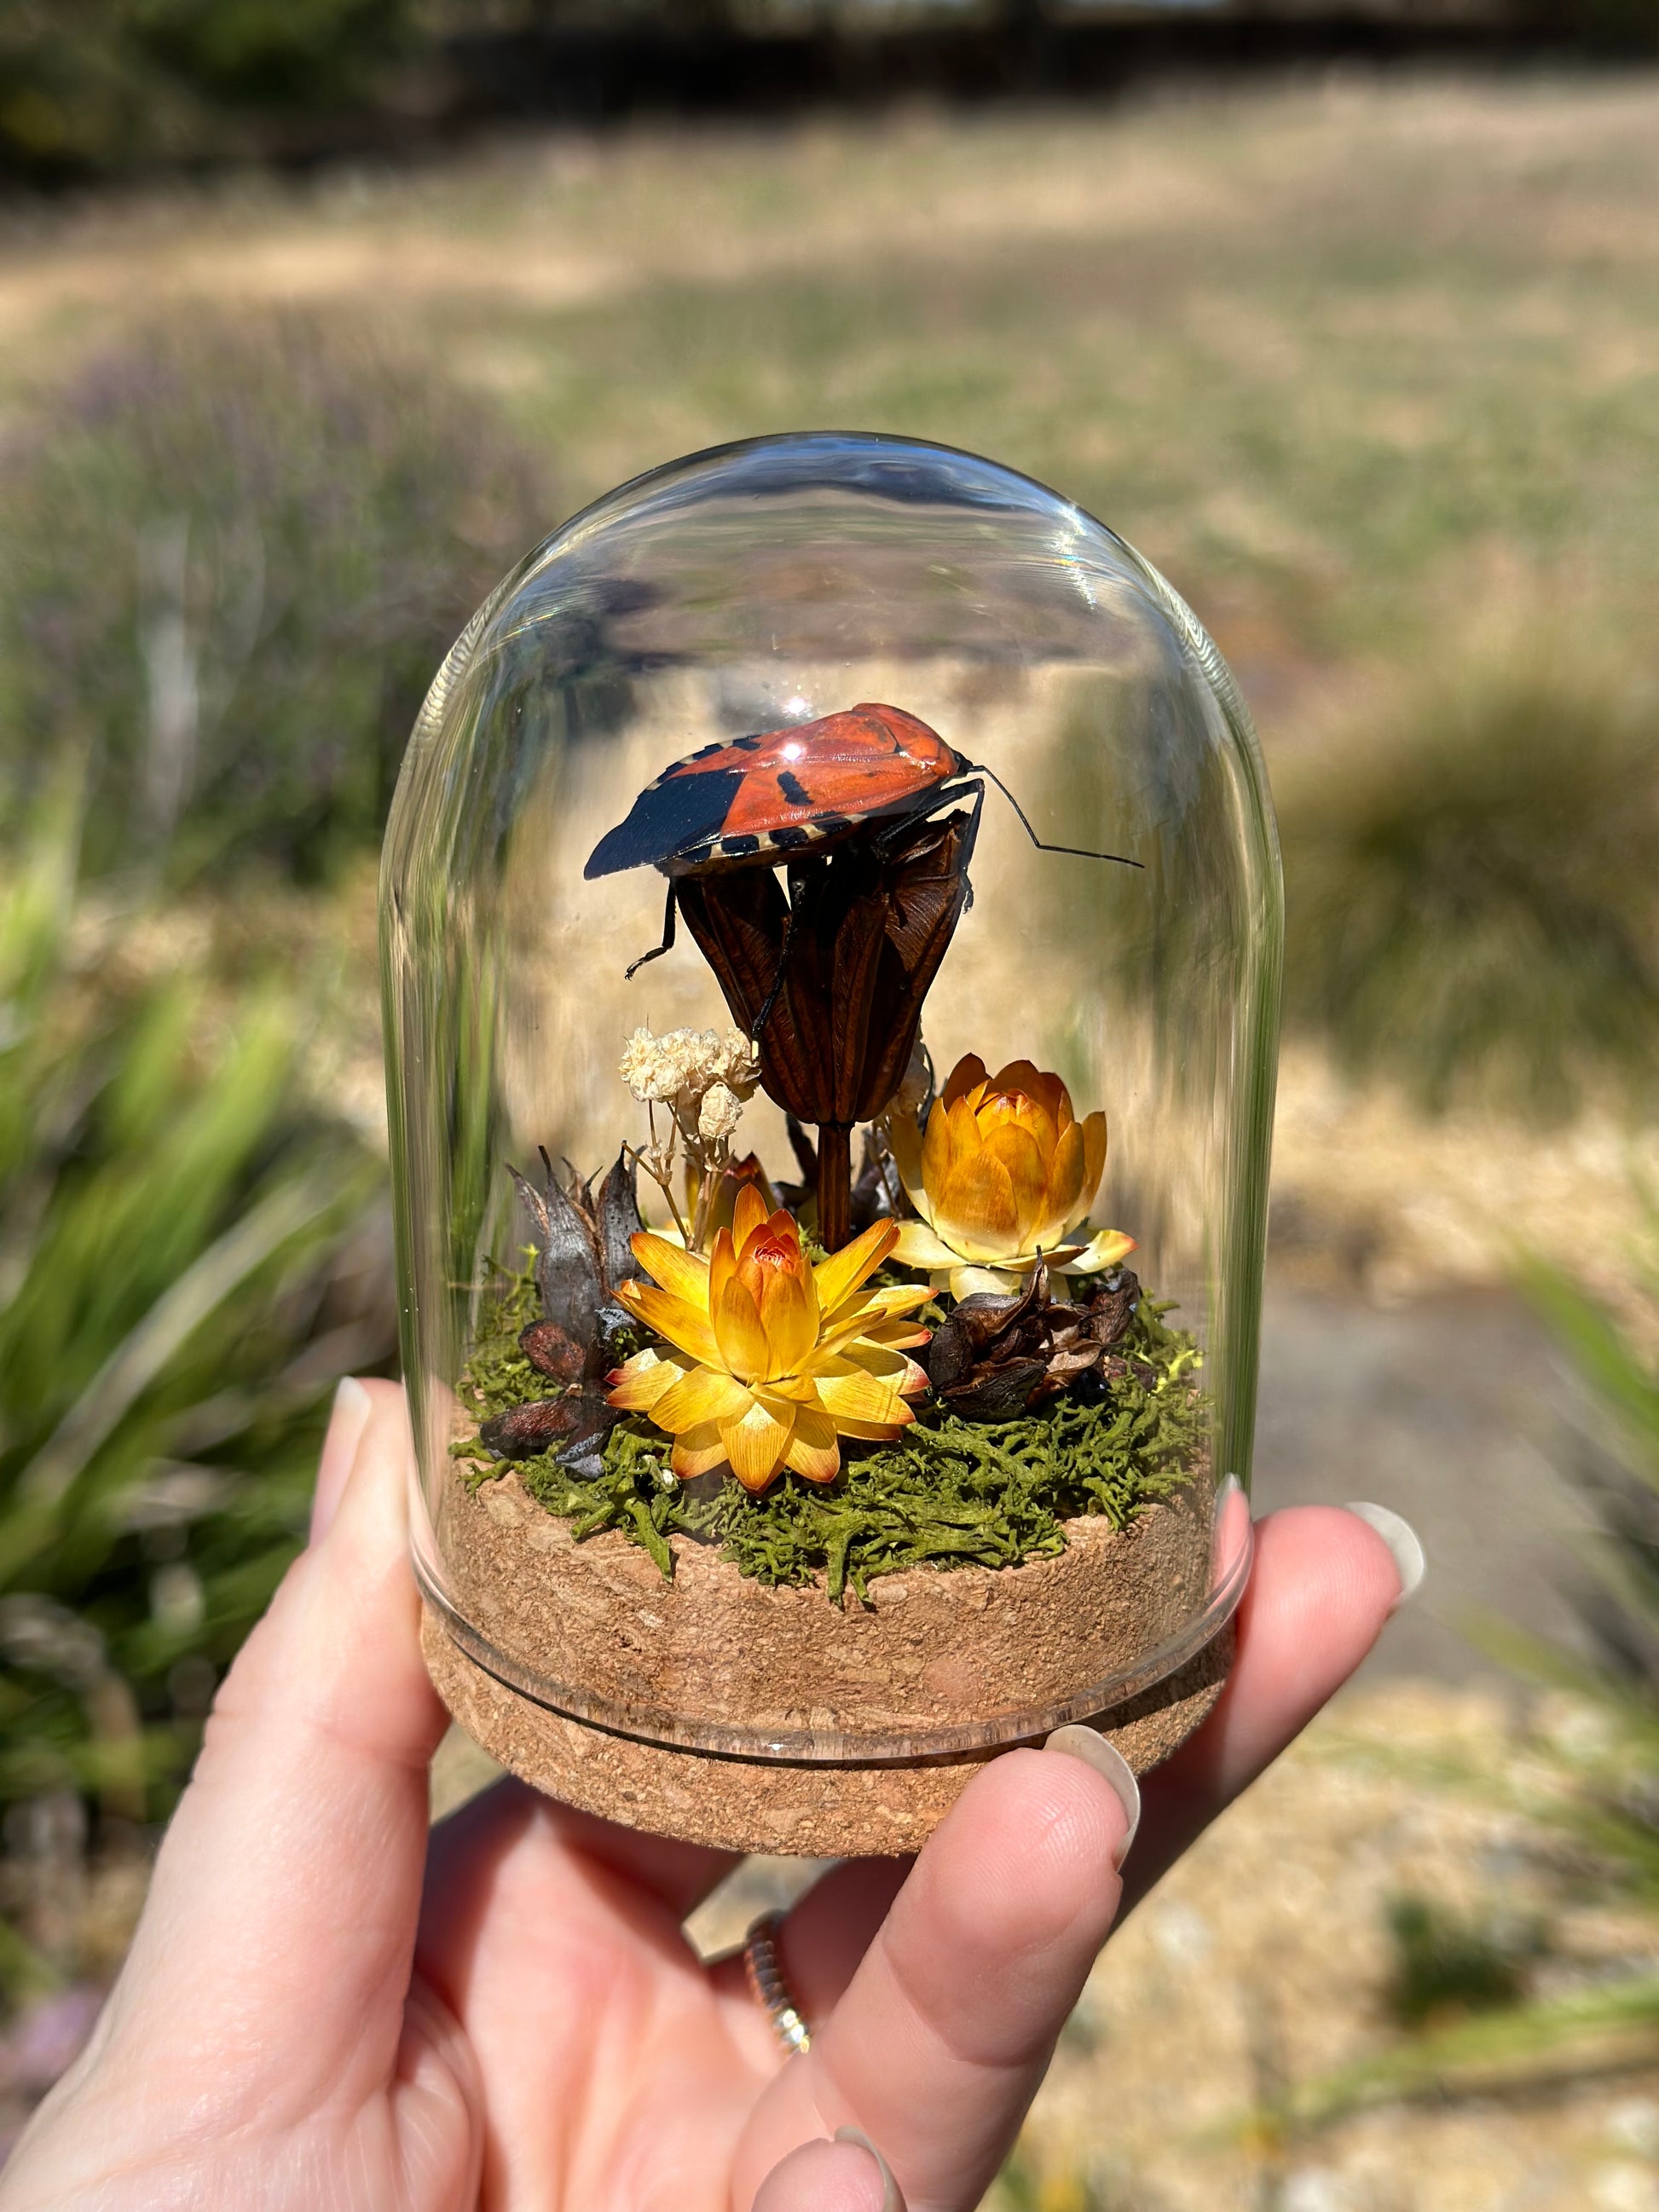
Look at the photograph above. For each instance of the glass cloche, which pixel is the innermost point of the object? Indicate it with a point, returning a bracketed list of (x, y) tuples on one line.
[(830, 934)]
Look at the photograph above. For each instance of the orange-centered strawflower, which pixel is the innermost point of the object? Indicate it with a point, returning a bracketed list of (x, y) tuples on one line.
[(769, 1360), (1003, 1177)]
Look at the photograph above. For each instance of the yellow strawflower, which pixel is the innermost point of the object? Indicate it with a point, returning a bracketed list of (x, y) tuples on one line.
[(769, 1360)]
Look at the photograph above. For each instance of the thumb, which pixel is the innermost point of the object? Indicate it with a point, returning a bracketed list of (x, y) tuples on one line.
[(847, 2175), (282, 1915)]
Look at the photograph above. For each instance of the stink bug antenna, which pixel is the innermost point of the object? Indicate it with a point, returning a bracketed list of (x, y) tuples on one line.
[(1079, 852)]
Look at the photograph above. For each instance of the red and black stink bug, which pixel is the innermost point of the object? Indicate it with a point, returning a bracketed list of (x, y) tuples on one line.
[(784, 795)]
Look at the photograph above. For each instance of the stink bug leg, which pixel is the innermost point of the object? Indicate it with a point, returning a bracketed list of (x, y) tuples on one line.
[(791, 880), (1077, 852), (893, 838), (657, 951)]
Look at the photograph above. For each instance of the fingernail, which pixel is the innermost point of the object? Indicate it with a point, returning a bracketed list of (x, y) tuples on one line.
[(891, 2200), (1088, 1745), (1402, 1540), (352, 1407)]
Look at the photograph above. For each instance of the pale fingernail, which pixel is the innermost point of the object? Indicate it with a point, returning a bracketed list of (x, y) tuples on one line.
[(891, 2200), (1092, 1747), (1402, 1540), (352, 1407)]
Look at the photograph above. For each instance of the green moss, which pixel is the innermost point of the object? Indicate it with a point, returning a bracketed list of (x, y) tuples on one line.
[(946, 1493), (498, 1375)]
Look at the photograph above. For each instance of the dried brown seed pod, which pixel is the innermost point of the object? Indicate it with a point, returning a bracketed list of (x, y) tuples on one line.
[(828, 976), (994, 1358), (582, 1252), (526, 1432), (1112, 1307), (553, 1351)]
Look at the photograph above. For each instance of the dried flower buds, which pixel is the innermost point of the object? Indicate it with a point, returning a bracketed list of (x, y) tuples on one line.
[(832, 975), (704, 1077), (718, 1114), (682, 1067)]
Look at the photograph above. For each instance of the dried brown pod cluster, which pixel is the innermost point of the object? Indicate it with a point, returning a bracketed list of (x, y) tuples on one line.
[(994, 1358), (829, 976), (582, 1253)]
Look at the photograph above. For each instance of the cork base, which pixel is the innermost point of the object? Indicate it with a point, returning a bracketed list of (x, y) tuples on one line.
[(719, 1662), (764, 1805)]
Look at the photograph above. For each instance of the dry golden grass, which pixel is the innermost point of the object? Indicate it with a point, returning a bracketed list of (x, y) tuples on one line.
[(1330, 354)]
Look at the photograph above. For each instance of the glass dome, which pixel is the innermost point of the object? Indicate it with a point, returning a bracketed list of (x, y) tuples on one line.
[(830, 1315)]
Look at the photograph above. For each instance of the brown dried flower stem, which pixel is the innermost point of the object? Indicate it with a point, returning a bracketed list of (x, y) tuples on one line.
[(835, 1184), (651, 1157), (707, 1183)]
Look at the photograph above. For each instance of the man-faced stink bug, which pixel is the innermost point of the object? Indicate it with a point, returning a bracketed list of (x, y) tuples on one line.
[(862, 815), (784, 795)]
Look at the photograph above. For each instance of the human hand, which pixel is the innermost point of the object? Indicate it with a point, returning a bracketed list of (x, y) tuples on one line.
[(297, 2027)]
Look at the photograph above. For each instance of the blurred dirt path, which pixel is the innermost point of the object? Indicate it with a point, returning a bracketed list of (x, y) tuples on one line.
[(1453, 1410), (1262, 1961)]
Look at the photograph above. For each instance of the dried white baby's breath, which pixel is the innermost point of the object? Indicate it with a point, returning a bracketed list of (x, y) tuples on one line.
[(648, 1071), (739, 1064), (681, 1069), (718, 1114)]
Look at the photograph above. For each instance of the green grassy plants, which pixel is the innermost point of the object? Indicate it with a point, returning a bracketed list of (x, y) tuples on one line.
[(1611, 1458), (1448, 1964), (232, 553), (187, 1264)]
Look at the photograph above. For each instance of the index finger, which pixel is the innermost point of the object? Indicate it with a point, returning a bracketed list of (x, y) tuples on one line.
[(1324, 1586), (280, 1924)]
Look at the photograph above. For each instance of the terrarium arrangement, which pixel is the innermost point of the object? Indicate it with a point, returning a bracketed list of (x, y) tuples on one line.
[(972, 1370), (813, 1396)]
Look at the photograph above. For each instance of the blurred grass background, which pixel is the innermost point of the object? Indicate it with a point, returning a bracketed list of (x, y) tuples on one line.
[(1369, 366)]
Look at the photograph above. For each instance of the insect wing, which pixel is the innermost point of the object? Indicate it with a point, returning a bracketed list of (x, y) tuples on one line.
[(668, 816)]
